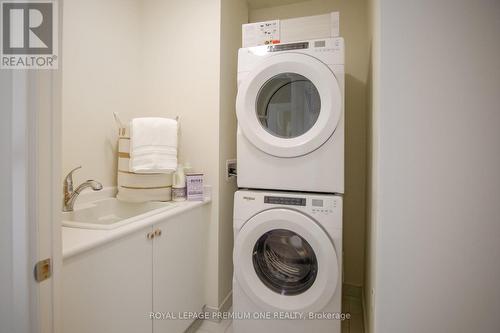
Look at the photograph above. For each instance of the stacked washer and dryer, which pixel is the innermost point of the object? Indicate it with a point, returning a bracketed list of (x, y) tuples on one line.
[(288, 211)]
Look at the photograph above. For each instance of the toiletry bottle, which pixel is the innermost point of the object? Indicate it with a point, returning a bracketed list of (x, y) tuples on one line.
[(179, 184)]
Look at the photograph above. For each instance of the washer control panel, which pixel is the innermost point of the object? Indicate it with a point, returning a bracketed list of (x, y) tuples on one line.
[(318, 205), (321, 206), (292, 201)]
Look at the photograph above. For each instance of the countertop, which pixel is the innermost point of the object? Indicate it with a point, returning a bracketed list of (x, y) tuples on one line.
[(78, 240)]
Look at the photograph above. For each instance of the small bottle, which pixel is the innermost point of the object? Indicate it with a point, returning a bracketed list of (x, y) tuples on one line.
[(179, 184)]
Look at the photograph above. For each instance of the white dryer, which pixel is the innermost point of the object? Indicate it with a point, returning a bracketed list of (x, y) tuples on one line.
[(287, 262), (290, 113)]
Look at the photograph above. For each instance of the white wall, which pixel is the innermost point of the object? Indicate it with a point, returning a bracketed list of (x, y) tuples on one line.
[(354, 29), (181, 76), (437, 167), (101, 68)]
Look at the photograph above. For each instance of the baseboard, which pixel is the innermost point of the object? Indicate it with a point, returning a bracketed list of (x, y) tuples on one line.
[(216, 312), (195, 325), (227, 303)]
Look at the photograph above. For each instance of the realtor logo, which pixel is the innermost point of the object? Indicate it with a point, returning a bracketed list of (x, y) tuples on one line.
[(29, 34)]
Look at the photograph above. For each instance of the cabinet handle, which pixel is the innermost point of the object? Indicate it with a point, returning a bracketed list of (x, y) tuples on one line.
[(157, 232), (150, 235)]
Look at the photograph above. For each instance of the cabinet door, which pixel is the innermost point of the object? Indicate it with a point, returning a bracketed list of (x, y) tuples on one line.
[(108, 289), (179, 268)]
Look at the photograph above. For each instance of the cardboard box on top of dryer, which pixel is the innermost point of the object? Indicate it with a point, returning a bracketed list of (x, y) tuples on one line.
[(291, 30)]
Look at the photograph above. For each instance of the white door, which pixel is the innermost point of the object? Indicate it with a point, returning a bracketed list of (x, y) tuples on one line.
[(289, 105), (178, 271), (30, 196), (108, 289), (284, 261)]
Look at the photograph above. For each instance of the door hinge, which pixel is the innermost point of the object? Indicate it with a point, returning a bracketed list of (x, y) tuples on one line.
[(43, 270)]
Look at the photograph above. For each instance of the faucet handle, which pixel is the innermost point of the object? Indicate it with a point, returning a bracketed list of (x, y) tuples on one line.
[(68, 180)]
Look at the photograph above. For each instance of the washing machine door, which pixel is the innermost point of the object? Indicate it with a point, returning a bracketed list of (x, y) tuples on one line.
[(289, 105), (284, 261)]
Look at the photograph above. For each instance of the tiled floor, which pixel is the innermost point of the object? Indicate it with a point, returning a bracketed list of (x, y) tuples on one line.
[(351, 304)]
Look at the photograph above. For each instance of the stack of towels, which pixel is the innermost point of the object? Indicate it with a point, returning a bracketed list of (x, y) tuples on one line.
[(153, 145), (147, 154)]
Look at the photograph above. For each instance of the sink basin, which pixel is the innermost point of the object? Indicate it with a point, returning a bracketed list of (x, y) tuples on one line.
[(110, 213)]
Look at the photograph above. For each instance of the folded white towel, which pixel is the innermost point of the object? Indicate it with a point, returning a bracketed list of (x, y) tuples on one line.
[(153, 145)]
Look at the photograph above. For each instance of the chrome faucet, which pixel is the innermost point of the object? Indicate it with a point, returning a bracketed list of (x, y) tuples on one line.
[(70, 195)]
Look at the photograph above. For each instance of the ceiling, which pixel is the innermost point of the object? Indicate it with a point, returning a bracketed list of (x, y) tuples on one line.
[(256, 4)]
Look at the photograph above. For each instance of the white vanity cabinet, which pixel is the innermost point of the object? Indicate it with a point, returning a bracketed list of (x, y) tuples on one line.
[(114, 287)]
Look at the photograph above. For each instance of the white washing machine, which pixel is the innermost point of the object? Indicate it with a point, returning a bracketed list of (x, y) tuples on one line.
[(287, 262), (290, 113)]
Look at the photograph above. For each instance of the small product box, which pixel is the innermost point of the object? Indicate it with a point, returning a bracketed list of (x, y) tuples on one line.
[(194, 186), (261, 33), (291, 30)]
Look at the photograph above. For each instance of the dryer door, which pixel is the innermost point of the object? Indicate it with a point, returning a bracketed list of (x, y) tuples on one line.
[(284, 261), (289, 105)]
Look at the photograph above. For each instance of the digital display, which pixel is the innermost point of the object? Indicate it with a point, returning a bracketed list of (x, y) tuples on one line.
[(285, 201), (317, 203), (286, 47), (319, 43)]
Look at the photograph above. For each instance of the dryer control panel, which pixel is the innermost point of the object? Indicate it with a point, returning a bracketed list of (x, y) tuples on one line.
[(288, 47), (329, 51)]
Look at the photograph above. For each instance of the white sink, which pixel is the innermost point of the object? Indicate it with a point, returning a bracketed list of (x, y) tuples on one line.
[(110, 213)]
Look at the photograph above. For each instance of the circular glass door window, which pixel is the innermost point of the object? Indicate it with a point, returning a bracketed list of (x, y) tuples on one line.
[(285, 262), (288, 105)]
